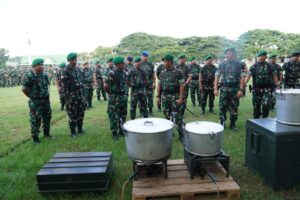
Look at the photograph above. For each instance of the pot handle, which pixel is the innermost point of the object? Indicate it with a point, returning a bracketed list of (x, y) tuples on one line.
[(212, 134), (148, 123)]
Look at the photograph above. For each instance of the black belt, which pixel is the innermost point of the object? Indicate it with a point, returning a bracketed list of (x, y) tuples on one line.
[(39, 98)]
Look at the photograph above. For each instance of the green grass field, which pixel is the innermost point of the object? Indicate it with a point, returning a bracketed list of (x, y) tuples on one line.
[(20, 159)]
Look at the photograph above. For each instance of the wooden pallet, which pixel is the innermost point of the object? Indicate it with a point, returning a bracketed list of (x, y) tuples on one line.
[(180, 186)]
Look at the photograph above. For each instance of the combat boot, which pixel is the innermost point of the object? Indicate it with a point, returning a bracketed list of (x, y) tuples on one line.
[(222, 122), (105, 99), (36, 139), (79, 127), (47, 134), (62, 107), (114, 135), (203, 111), (232, 126), (150, 112)]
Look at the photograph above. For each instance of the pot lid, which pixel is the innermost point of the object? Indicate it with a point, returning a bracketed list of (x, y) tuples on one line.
[(288, 91), (148, 125), (203, 127)]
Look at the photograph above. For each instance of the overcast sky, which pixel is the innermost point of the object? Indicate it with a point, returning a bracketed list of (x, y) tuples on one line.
[(61, 26)]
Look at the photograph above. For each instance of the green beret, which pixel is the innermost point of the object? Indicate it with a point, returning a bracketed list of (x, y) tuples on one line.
[(297, 53), (272, 55), (37, 61), (97, 62), (181, 56), (207, 57), (169, 57), (192, 58), (110, 59), (230, 49), (118, 60), (71, 56), (62, 65), (137, 59), (261, 53)]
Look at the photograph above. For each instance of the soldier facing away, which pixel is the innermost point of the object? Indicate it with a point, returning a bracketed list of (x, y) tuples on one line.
[(58, 85), (36, 87), (98, 81), (292, 72), (88, 84), (194, 70)]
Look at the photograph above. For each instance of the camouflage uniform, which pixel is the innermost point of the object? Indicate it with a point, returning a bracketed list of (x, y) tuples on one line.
[(88, 86), (159, 69), (100, 88), (230, 73), (194, 70), (72, 87), (184, 69), (278, 70), (207, 83), (263, 86), (170, 81), (62, 98), (117, 102), (149, 69), (128, 67), (39, 102), (137, 79), (292, 74)]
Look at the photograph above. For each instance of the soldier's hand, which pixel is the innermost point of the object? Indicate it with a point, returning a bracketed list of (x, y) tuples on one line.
[(158, 100), (240, 94), (216, 92), (179, 101)]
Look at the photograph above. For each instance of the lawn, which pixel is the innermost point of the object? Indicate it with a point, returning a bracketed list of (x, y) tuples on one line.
[(20, 159)]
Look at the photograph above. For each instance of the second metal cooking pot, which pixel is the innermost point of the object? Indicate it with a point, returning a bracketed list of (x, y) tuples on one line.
[(148, 139), (203, 138)]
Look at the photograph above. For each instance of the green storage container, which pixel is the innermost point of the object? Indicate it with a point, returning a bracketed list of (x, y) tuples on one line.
[(273, 150)]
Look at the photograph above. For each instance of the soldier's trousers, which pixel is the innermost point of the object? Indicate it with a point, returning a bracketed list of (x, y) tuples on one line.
[(261, 100), (194, 89), (136, 98), (207, 94), (117, 111), (149, 95), (88, 93), (100, 90), (273, 100), (62, 99), (40, 111), (172, 110), (228, 101), (75, 110)]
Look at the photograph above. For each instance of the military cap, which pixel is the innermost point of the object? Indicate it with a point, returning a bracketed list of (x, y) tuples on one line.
[(230, 49), (169, 57), (129, 58), (145, 53), (261, 53), (62, 65), (71, 56), (297, 53), (118, 60), (97, 62), (192, 58), (137, 59), (207, 57), (37, 61), (110, 59), (272, 55), (181, 56)]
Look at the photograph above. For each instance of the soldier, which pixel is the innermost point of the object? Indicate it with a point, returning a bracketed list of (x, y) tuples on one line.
[(231, 88), (72, 87), (292, 72), (35, 86), (58, 84), (137, 80), (171, 91), (207, 77), (159, 69), (278, 69), (88, 84), (150, 87), (129, 64), (115, 86), (98, 81), (194, 70), (263, 75)]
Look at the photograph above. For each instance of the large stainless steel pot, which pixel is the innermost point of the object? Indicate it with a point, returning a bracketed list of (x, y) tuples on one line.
[(288, 106), (148, 139), (203, 138)]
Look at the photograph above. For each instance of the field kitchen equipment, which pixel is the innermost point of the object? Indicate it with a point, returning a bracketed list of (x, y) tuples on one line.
[(76, 172), (149, 144)]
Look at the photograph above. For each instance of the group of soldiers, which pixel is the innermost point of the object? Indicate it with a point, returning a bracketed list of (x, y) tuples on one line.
[(136, 78)]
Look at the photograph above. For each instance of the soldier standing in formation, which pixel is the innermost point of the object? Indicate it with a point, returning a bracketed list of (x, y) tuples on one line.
[(171, 91), (159, 69), (184, 69), (194, 70), (115, 86), (292, 72), (263, 75), (58, 83), (207, 77), (72, 87), (98, 81), (232, 87), (137, 80), (36, 88), (129, 66), (88, 84), (149, 69)]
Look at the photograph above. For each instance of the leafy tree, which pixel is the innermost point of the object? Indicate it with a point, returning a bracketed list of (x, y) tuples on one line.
[(3, 57)]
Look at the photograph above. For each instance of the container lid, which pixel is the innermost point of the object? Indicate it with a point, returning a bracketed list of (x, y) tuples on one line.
[(288, 91), (148, 125), (203, 127)]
